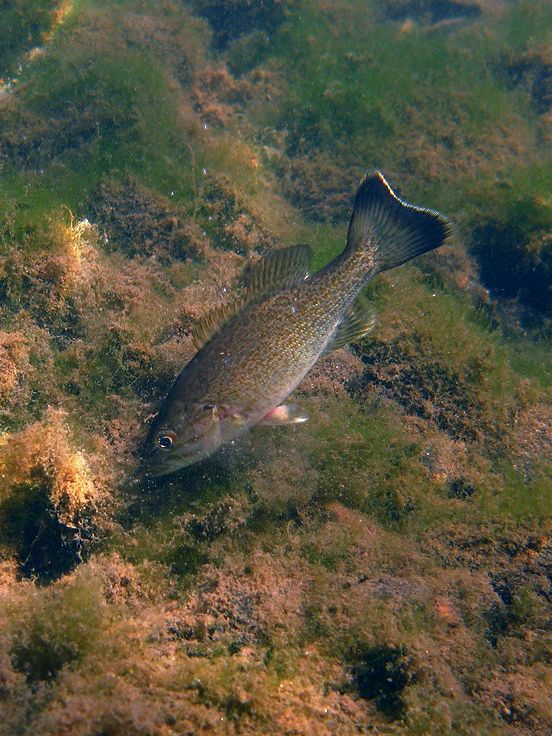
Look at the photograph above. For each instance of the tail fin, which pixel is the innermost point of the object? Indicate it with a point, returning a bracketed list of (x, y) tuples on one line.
[(393, 230)]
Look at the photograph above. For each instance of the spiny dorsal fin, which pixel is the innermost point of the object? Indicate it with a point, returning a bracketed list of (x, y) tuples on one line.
[(278, 270), (358, 322), (211, 323), (392, 230)]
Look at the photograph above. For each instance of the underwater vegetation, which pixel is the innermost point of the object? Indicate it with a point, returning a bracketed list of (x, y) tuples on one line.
[(383, 568)]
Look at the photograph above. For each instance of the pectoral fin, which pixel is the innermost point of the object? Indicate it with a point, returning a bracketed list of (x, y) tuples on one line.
[(283, 414)]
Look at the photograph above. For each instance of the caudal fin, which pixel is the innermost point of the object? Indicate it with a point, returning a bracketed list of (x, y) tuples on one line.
[(392, 230)]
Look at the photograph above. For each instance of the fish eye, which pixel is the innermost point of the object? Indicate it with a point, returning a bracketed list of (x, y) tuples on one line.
[(166, 440), (208, 407)]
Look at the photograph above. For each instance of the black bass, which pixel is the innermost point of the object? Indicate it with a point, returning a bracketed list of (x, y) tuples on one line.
[(253, 353)]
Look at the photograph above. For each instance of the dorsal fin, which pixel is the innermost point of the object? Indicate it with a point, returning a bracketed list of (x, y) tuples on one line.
[(358, 322), (275, 271), (278, 270), (211, 323)]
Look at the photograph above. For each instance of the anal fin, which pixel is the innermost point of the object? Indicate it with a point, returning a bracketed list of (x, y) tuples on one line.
[(357, 323)]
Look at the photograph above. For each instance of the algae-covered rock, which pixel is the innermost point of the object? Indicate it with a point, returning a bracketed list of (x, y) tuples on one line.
[(139, 221), (515, 258), (231, 19), (24, 25), (49, 499)]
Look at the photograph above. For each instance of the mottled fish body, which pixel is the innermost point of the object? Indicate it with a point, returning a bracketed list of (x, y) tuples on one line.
[(256, 351)]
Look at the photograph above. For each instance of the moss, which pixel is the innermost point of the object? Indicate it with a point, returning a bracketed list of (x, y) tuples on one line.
[(45, 548), (429, 11), (332, 83), (352, 77), (248, 51), (184, 534), (116, 363), (320, 187), (532, 70), (184, 560), (221, 518), (26, 358), (477, 363), (45, 268), (363, 461), (435, 392), (227, 221)]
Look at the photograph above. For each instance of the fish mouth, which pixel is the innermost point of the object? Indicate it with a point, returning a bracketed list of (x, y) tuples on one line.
[(157, 465)]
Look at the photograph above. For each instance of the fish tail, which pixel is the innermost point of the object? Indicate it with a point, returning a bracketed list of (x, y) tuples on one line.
[(391, 230)]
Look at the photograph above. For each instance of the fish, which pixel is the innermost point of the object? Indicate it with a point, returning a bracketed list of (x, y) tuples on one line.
[(252, 353)]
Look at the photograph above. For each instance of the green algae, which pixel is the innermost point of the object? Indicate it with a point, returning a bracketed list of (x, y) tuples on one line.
[(346, 95), (23, 25), (56, 629), (87, 113)]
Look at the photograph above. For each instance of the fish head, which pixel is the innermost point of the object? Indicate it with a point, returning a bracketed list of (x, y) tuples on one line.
[(194, 435)]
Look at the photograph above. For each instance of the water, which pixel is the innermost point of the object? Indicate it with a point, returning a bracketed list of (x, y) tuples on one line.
[(383, 567)]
